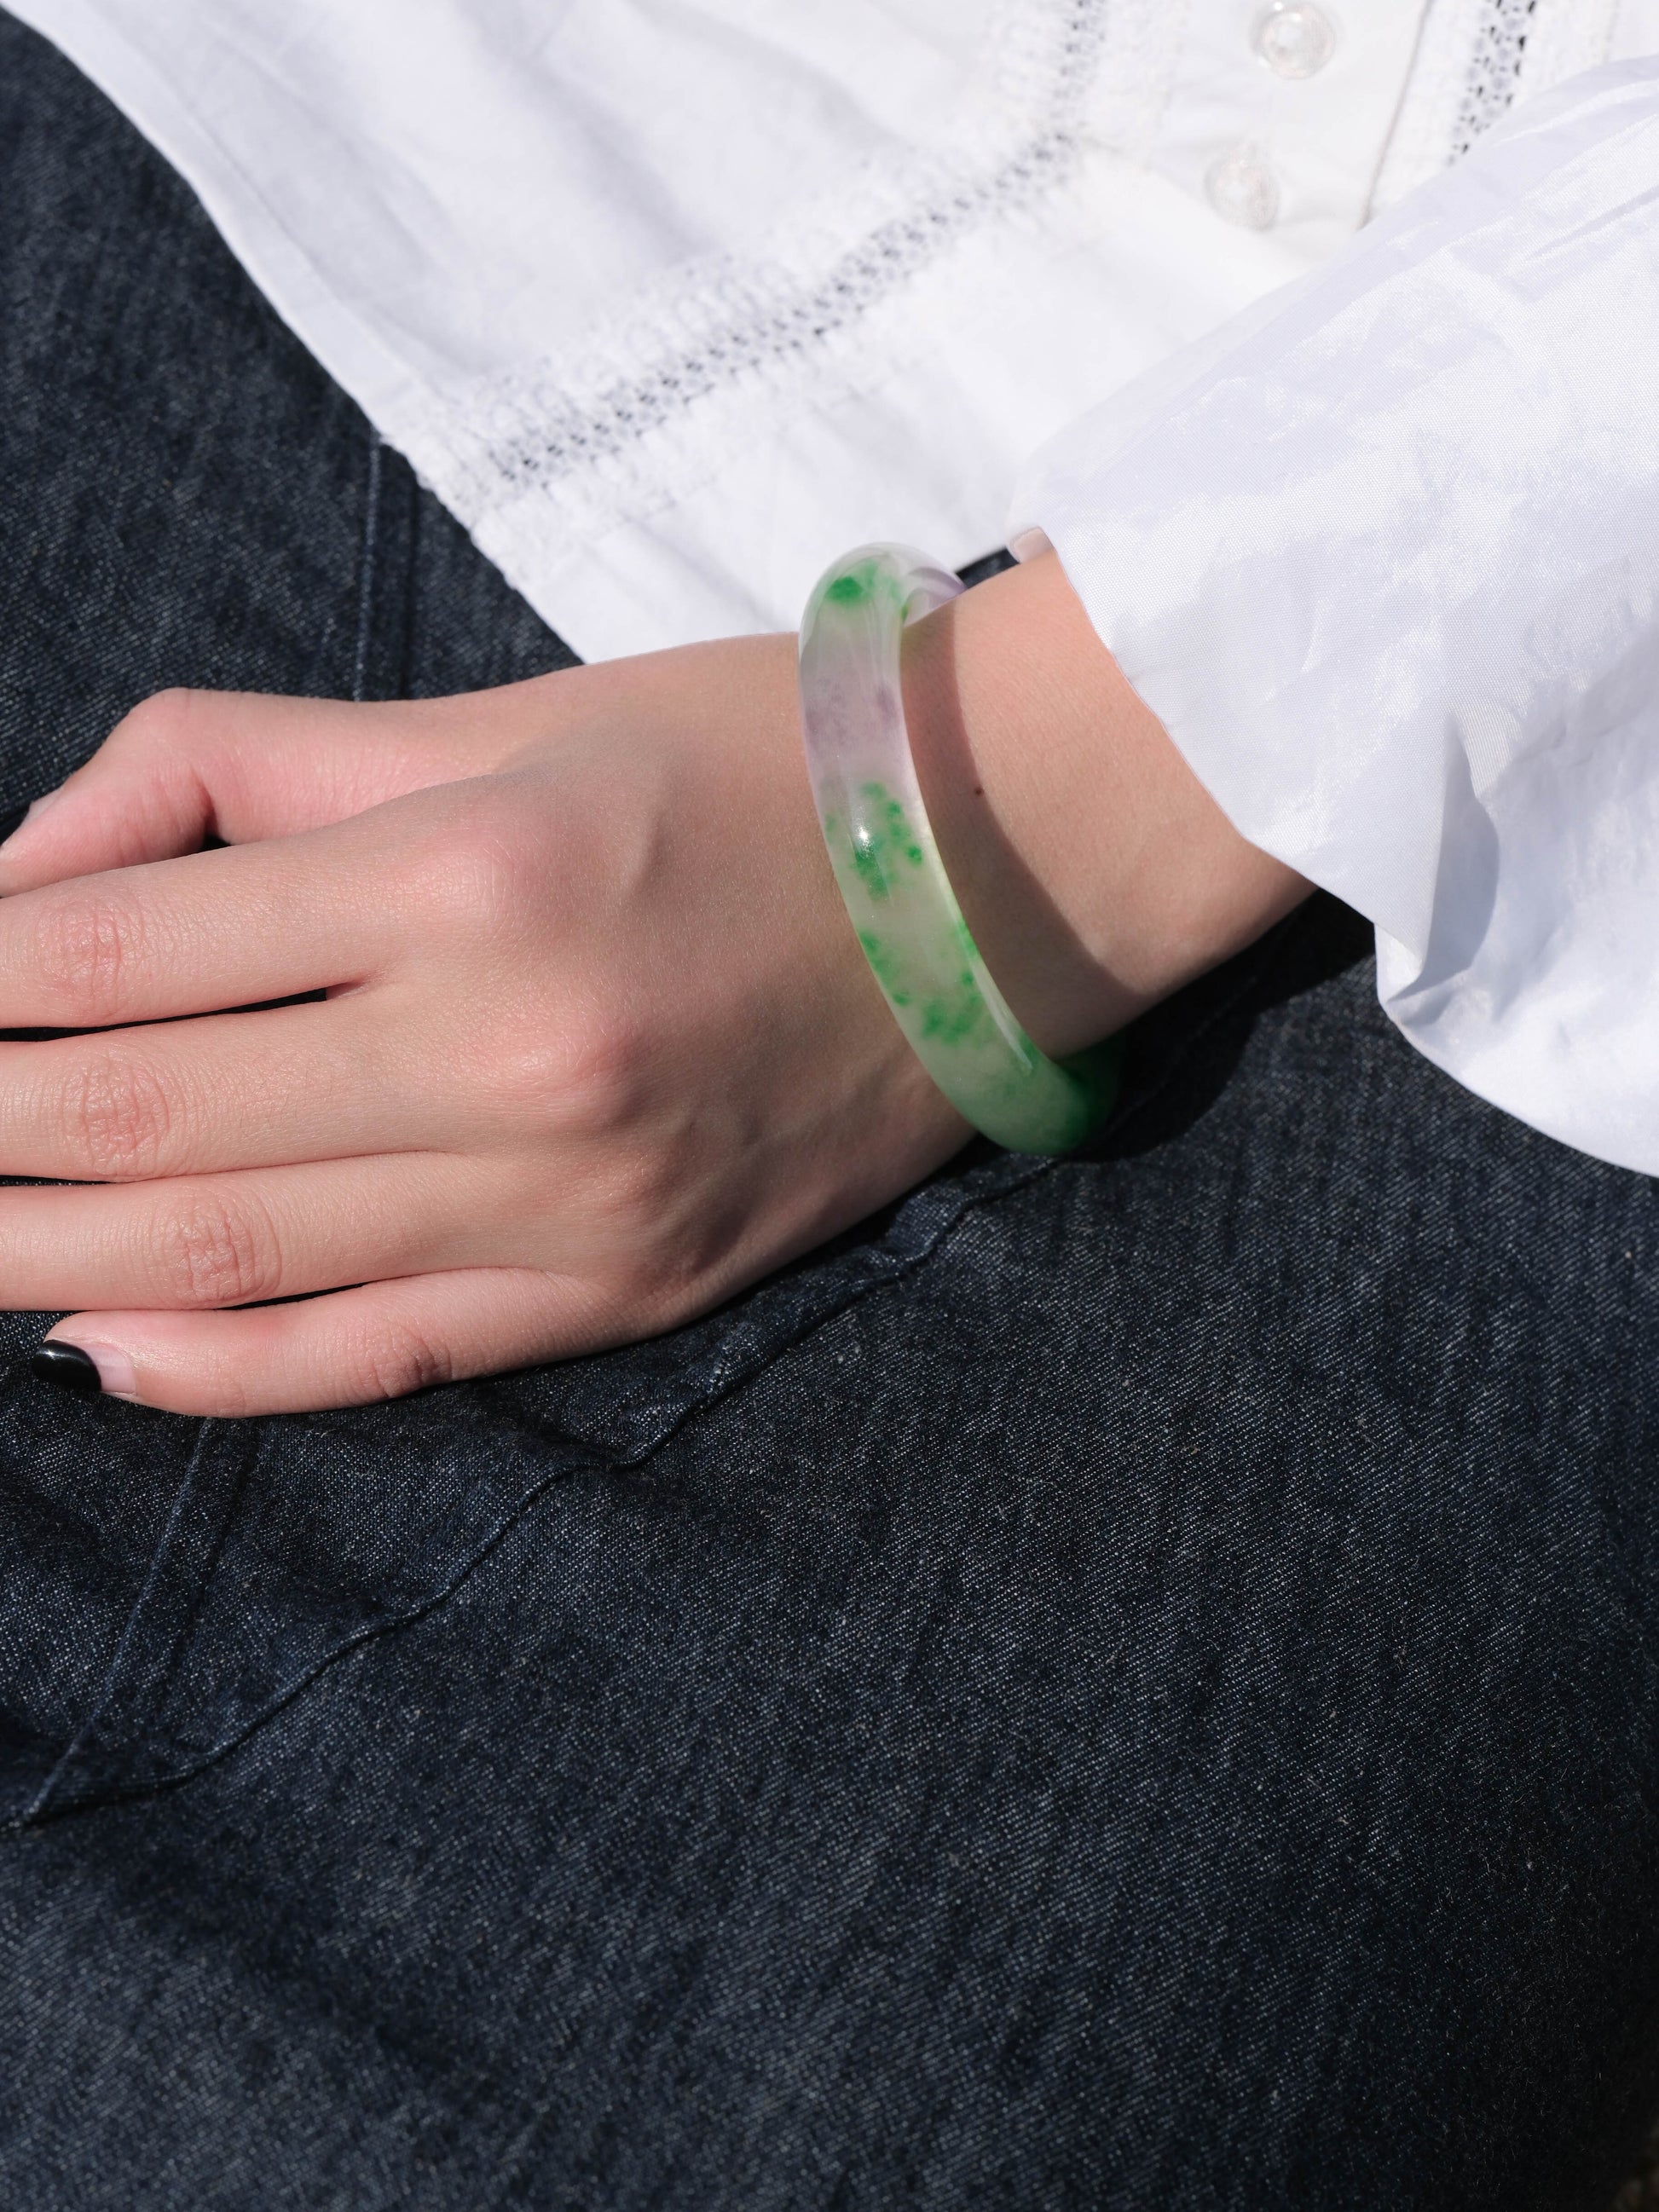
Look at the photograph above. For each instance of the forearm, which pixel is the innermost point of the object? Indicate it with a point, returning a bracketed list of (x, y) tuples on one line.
[(1095, 870)]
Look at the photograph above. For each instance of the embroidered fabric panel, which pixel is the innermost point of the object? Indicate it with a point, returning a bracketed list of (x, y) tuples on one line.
[(1494, 69), (720, 321)]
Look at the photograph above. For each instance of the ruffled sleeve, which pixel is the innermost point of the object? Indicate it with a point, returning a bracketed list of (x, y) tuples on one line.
[(1384, 555)]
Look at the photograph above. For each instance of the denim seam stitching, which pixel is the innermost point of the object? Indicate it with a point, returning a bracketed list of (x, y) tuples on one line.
[(366, 569), (37, 1805), (716, 1390)]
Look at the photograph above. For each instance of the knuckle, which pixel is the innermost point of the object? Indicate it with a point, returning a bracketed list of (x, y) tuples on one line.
[(475, 870), (162, 719), (638, 1189), (603, 1077), (394, 1358), (214, 1249), (113, 1119), (86, 948), (586, 1078), (517, 1080)]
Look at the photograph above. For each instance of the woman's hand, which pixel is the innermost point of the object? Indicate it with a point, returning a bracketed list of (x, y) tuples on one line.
[(598, 1046)]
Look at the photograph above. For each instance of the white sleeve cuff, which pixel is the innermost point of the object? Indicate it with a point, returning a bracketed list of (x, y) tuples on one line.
[(1383, 556)]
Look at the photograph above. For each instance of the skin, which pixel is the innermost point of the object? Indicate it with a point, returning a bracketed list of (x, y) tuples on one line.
[(598, 1046)]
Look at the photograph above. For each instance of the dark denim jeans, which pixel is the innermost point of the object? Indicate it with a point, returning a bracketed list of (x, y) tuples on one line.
[(1128, 1682)]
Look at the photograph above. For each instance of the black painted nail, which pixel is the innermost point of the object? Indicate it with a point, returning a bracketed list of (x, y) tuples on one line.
[(67, 1366)]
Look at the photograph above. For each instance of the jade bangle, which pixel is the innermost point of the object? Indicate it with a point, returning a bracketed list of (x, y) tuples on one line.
[(882, 849)]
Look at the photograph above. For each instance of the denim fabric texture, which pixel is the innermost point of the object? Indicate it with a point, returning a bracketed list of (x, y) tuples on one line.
[(1127, 1682)]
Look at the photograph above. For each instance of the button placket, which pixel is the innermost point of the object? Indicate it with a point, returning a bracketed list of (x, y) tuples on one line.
[(1294, 39)]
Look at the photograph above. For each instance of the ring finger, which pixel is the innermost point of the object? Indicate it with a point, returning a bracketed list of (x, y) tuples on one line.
[(199, 1241)]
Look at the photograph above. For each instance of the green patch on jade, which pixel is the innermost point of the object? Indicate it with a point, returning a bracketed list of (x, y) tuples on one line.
[(867, 580), (875, 846), (961, 1023), (881, 955)]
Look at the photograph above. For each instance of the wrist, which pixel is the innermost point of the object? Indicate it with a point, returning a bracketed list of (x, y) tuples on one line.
[(1096, 873)]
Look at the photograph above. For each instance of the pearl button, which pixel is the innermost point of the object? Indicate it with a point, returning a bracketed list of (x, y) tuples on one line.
[(1242, 189), (1294, 38)]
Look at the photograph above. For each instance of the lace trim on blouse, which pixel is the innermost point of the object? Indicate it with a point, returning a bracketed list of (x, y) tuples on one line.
[(1494, 69)]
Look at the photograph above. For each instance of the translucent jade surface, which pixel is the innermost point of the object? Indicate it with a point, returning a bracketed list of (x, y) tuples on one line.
[(882, 849)]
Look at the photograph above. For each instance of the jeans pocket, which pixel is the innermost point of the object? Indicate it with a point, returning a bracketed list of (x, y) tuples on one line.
[(171, 1583)]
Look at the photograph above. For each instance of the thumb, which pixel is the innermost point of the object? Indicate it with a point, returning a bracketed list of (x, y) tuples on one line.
[(187, 765)]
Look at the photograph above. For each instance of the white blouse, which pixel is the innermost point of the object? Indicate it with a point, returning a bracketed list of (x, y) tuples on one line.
[(672, 300)]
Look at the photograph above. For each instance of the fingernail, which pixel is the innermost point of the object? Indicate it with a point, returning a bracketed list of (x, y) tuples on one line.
[(72, 1367)]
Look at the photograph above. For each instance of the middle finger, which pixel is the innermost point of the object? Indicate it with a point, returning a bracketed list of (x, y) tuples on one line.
[(325, 1080)]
